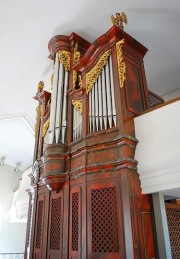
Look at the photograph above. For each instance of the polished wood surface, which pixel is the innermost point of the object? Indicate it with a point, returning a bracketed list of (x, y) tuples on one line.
[(87, 196)]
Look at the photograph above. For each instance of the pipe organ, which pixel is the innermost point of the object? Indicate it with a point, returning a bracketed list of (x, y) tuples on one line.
[(85, 194)]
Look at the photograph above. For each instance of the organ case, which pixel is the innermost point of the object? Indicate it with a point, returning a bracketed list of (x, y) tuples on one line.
[(86, 195)]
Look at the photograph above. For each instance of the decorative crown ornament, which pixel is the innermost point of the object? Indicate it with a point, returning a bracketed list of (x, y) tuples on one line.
[(119, 19)]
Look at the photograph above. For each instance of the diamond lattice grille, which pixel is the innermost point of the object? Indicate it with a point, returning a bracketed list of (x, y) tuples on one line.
[(104, 220), (55, 228), (75, 220), (39, 224), (173, 217)]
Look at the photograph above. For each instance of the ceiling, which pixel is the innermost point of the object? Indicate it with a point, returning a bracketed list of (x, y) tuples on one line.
[(26, 28)]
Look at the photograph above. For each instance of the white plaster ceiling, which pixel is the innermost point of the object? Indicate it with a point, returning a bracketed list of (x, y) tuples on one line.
[(27, 26)]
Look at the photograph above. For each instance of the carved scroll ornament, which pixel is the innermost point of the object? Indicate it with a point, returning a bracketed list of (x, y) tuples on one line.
[(75, 60), (121, 63), (93, 75), (45, 127), (78, 105), (64, 58)]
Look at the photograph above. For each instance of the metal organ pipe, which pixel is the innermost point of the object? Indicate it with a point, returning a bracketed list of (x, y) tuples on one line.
[(57, 129), (112, 92), (54, 101), (104, 94), (77, 124), (59, 103), (102, 111), (109, 104), (64, 122)]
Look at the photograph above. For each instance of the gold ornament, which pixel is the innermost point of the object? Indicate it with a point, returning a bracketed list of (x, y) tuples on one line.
[(45, 127), (80, 81), (52, 78), (78, 105), (119, 19), (37, 116), (77, 54), (75, 60), (93, 75), (64, 58), (74, 78), (121, 63), (40, 86)]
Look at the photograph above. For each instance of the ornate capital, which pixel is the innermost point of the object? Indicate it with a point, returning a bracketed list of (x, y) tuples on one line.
[(93, 75), (121, 63)]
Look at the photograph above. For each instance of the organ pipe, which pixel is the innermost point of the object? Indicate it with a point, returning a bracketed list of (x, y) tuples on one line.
[(102, 111), (57, 129)]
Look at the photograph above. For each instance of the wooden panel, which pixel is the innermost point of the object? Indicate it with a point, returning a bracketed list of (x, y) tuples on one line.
[(146, 235), (75, 223), (55, 226), (39, 226), (134, 88), (104, 224)]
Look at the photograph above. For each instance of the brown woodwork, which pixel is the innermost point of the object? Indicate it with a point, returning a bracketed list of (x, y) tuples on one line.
[(93, 206)]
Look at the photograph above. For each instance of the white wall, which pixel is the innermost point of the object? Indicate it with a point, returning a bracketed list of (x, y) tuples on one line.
[(158, 150), (12, 235), (171, 95)]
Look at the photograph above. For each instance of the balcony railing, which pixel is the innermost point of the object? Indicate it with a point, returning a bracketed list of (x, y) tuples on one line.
[(154, 99)]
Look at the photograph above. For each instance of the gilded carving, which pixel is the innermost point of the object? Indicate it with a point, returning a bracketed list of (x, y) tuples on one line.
[(80, 81), (119, 19), (74, 78), (78, 105), (37, 116), (93, 75), (40, 86), (64, 58), (75, 60), (121, 63), (45, 127), (76, 54), (52, 79)]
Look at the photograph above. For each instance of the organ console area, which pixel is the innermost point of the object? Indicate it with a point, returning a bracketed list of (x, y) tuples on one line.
[(85, 195)]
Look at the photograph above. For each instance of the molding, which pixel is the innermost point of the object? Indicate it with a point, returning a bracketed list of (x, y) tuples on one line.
[(23, 117), (158, 181)]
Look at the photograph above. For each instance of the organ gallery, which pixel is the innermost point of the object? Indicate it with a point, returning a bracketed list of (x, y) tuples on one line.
[(85, 195)]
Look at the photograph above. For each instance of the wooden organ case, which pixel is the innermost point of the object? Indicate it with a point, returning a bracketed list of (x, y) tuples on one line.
[(85, 196)]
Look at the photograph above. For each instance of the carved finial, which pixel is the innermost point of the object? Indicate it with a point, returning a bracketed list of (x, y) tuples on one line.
[(119, 19), (40, 86)]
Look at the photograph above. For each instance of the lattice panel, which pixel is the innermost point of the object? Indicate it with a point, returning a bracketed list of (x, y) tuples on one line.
[(104, 220), (39, 223), (173, 217), (154, 100), (55, 228), (75, 220), (29, 223)]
